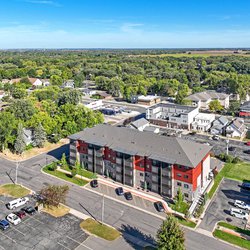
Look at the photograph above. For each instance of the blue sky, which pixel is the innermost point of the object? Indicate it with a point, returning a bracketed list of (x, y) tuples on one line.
[(124, 23)]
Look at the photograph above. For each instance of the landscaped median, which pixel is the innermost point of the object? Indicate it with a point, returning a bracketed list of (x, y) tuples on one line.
[(59, 211), (232, 234), (14, 190), (99, 229)]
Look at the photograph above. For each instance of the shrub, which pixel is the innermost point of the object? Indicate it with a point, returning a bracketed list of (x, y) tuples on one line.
[(52, 166)]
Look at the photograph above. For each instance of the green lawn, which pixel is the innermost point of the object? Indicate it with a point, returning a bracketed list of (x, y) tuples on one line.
[(13, 190), (186, 223), (182, 208), (83, 172), (100, 230), (236, 229), (239, 171), (231, 239), (65, 177)]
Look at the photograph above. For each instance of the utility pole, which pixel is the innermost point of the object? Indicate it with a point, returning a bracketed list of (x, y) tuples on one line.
[(102, 208), (17, 165)]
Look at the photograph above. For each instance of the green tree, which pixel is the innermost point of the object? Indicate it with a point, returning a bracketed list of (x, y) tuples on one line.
[(72, 96), (39, 136), (182, 93), (20, 145), (170, 236), (19, 93), (215, 106), (56, 80), (63, 161)]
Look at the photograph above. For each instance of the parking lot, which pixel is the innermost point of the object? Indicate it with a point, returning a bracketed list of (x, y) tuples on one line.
[(41, 231), (136, 201), (219, 208)]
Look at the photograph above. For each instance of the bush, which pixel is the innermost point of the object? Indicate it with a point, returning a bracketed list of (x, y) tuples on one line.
[(29, 146), (199, 211), (236, 160), (52, 166)]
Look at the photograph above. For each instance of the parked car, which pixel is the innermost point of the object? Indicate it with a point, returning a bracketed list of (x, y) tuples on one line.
[(21, 214), (216, 138), (248, 143), (231, 148), (29, 210), (13, 218), (94, 183), (4, 224), (246, 151), (119, 191), (239, 213), (128, 196), (241, 204), (192, 133), (17, 203), (246, 185), (159, 206)]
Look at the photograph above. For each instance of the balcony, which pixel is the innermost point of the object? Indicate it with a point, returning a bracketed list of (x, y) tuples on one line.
[(99, 162), (166, 182), (155, 178), (118, 169), (99, 153), (166, 172), (128, 172), (155, 170), (90, 151), (128, 164), (118, 160)]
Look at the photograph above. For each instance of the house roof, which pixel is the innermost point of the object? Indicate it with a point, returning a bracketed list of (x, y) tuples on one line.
[(238, 124), (147, 98), (139, 123), (207, 95), (223, 120), (150, 129), (245, 106), (122, 139)]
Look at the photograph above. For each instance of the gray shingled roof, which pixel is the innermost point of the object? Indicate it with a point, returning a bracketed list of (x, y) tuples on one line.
[(130, 141), (206, 95), (139, 123)]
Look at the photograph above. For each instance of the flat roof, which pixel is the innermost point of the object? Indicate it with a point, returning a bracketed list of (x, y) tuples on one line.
[(173, 105), (134, 142)]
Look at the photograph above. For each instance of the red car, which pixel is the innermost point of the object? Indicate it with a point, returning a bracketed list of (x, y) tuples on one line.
[(248, 143), (21, 214)]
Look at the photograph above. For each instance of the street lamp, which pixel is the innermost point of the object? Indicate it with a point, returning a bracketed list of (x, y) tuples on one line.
[(227, 142), (17, 165)]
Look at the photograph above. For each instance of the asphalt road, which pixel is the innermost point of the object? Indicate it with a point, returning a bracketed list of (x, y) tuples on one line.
[(129, 220)]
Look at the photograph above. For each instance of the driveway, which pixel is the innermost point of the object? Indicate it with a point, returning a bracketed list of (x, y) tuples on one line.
[(219, 208)]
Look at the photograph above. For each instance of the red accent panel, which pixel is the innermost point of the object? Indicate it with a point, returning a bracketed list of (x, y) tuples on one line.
[(109, 155), (195, 173), (183, 172), (82, 147), (139, 163), (148, 164), (244, 113)]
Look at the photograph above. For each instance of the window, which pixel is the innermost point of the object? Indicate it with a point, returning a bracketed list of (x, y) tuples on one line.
[(179, 175), (141, 174), (186, 176), (179, 184), (179, 167), (186, 195), (186, 186)]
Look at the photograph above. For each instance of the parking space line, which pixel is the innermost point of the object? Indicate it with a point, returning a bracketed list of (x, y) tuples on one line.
[(63, 246), (2, 247), (8, 237), (32, 217), (144, 203), (18, 231), (79, 243)]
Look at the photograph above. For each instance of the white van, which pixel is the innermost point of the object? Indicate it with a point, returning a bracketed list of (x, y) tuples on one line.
[(17, 203)]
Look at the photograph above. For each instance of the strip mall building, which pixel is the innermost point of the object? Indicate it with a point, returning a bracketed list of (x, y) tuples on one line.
[(143, 159)]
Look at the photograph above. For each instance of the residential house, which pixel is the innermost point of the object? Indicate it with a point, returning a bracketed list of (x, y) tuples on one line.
[(172, 115), (68, 84), (203, 122), (245, 109), (236, 128), (94, 104), (87, 91), (139, 124), (219, 126), (36, 83), (142, 159), (202, 99), (151, 129)]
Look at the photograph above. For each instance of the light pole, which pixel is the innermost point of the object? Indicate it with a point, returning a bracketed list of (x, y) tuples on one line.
[(17, 165), (227, 142), (102, 208)]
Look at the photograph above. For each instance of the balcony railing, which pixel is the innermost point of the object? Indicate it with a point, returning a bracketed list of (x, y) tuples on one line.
[(99, 153), (118, 169), (155, 178), (128, 164), (99, 162), (90, 151), (155, 170), (118, 160), (128, 172)]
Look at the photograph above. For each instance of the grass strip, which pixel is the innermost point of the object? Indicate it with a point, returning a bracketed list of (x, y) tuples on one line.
[(13, 190), (232, 227)]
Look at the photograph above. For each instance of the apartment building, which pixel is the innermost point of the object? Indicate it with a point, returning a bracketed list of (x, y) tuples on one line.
[(143, 159), (172, 115)]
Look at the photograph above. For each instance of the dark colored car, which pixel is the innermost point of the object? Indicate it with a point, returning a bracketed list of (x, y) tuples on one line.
[(119, 191), (159, 206), (246, 185), (128, 196), (231, 148), (29, 210), (94, 184), (21, 214), (4, 224), (246, 152)]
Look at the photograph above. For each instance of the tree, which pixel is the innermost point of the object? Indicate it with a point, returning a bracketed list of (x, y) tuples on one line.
[(170, 236), (20, 144), (179, 198), (215, 106), (63, 160), (39, 136), (56, 80), (72, 96), (182, 93), (53, 195)]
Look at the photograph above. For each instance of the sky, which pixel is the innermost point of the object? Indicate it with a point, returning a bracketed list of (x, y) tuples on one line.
[(124, 24)]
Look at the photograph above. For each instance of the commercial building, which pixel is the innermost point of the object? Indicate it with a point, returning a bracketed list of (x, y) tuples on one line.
[(203, 122), (202, 99), (172, 115), (143, 159)]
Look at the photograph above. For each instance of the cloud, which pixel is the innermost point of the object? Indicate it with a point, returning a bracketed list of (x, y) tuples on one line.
[(44, 2), (131, 27)]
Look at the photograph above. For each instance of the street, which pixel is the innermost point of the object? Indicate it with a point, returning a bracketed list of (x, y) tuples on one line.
[(129, 220)]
